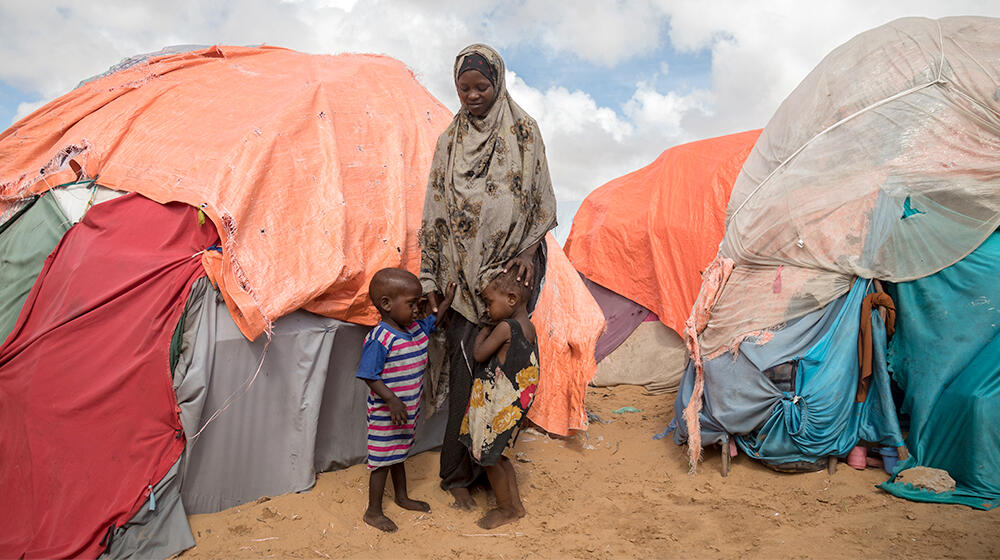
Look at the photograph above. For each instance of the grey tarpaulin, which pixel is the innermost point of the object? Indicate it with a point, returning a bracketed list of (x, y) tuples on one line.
[(157, 532), (304, 413), (652, 356)]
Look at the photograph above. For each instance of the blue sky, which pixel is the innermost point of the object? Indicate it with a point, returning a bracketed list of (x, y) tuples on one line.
[(10, 98), (612, 87)]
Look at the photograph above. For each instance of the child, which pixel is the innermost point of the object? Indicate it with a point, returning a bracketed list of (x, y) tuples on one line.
[(392, 364), (502, 392)]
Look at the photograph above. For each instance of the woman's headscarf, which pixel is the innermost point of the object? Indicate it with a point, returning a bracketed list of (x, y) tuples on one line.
[(489, 195)]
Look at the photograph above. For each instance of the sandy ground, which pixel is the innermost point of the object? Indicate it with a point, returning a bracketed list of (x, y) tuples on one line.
[(613, 493)]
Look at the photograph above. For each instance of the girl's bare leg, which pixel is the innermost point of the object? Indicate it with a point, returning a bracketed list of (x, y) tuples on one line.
[(504, 512), (515, 494)]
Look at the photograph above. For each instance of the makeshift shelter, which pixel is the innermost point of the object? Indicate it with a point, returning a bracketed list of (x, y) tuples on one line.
[(881, 165), (641, 241), (268, 186)]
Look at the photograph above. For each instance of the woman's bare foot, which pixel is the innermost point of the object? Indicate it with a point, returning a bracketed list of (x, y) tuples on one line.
[(463, 499), (497, 517), (412, 505), (380, 521)]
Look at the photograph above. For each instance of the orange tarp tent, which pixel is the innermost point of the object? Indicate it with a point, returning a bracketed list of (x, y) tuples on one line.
[(297, 159), (648, 235), (568, 322), (311, 167)]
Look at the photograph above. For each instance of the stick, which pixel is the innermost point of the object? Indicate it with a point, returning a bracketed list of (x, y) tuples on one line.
[(493, 535)]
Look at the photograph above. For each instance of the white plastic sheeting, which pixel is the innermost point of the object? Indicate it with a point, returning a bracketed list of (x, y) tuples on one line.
[(883, 163)]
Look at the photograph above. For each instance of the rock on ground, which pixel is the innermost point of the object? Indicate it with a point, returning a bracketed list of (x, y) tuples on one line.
[(935, 480)]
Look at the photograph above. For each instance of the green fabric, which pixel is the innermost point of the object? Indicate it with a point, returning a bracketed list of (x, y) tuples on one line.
[(13, 217), (25, 243), (945, 356), (176, 341)]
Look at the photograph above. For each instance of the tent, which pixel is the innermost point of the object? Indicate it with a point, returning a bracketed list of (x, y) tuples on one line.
[(641, 242), (191, 345), (877, 174)]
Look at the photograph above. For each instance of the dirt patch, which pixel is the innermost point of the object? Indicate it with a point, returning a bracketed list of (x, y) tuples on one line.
[(612, 493)]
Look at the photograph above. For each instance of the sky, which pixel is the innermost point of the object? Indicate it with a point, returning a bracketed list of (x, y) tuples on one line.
[(611, 83)]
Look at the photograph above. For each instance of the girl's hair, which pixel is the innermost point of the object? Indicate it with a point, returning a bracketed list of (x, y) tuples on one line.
[(507, 282)]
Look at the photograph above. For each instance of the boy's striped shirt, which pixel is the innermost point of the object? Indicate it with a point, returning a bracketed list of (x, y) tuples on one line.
[(402, 360)]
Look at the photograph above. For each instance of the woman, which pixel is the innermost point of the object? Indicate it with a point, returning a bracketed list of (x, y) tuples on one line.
[(489, 204)]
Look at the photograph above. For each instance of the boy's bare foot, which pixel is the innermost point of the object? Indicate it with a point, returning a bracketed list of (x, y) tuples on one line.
[(380, 522), (497, 517), (412, 505), (463, 499)]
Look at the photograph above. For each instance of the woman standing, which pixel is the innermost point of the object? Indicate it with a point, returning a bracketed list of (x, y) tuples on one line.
[(489, 204)]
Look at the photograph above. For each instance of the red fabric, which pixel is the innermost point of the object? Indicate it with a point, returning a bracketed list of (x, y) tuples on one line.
[(649, 234), (88, 413)]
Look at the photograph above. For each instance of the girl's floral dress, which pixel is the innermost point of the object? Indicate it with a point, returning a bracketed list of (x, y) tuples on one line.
[(501, 396)]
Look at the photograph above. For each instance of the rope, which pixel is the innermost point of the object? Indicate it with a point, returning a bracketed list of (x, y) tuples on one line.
[(939, 79), (232, 398)]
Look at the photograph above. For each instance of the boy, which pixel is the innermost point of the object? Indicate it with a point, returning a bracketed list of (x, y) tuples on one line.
[(393, 361)]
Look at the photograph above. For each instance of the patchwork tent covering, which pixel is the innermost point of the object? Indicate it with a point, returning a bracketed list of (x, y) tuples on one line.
[(306, 374), (81, 452), (636, 348), (902, 119), (269, 111), (814, 414), (648, 235), (375, 127), (880, 165), (305, 412), (640, 243), (621, 316)]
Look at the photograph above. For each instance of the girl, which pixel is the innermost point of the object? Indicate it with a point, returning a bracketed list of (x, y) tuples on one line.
[(502, 392)]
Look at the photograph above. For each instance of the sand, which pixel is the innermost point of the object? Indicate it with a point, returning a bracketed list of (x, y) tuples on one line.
[(613, 493)]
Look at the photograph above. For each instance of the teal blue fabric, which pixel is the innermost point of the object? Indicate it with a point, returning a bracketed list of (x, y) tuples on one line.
[(821, 417), (945, 356), (26, 240)]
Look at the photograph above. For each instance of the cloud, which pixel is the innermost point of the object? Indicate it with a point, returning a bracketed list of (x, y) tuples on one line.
[(759, 52), (26, 108), (588, 145), (597, 31)]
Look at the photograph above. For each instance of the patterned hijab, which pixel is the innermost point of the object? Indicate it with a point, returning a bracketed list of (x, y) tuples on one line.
[(489, 196)]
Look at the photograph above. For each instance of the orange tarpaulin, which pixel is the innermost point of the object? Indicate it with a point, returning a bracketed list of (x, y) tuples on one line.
[(313, 170), (649, 234), (312, 167), (568, 322)]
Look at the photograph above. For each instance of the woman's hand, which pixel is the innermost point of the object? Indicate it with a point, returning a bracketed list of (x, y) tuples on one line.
[(433, 300), (524, 264)]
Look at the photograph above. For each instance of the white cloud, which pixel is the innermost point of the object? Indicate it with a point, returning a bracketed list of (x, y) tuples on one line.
[(26, 108), (597, 31), (648, 107), (759, 53)]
